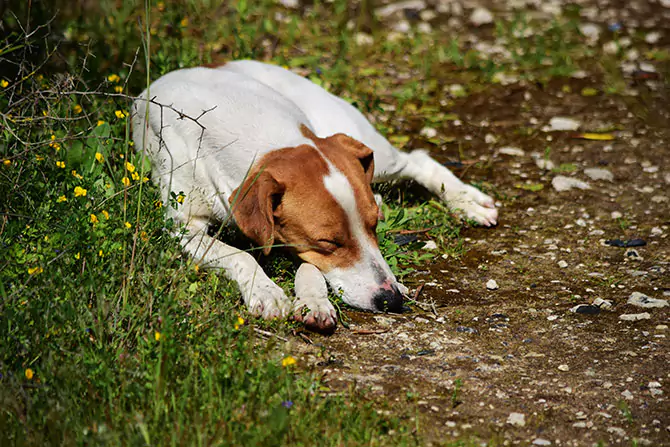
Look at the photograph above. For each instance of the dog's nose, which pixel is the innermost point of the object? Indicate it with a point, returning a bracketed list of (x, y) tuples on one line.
[(388, 301)]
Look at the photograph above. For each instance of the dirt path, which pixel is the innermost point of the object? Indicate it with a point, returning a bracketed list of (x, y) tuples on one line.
[(514, 363)]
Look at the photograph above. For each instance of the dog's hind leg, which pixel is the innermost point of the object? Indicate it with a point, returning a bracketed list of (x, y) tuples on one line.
[(466, 199), (261, 295)]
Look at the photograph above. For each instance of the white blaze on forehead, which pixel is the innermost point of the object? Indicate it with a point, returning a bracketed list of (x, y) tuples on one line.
[(338, 185)]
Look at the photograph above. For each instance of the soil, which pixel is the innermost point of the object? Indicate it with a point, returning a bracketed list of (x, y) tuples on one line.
[(468, 357)]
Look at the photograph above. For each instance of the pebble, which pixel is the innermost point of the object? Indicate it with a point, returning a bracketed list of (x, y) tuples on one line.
[(591, 31), (564, 368), (653, 37), (616, 215), (541, 441), (599, 174), (491, 284), (603, 304), (389, 10), (517, 419), (656, 231), (635, 317), (562, 183), (633, 255), (364, 39), (430, 245), (544, 164), (641, 300), (290, 3), (627, 395), (428, 132), (563, 123), (481, 16), (513, 151), (562, 264)]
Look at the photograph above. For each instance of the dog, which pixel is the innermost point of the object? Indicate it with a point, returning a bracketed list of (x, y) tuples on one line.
[(291, 164)]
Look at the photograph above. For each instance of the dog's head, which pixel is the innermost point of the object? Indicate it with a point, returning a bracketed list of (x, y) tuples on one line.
[(316, 199)]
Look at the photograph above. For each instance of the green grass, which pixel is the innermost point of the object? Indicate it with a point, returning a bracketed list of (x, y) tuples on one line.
[(108, 334)]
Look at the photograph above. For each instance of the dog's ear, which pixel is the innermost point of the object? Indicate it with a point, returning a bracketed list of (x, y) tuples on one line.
[(364, 154), (253, 204)]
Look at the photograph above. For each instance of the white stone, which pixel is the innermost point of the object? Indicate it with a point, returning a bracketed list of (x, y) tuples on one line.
[(652, 37), (517, 419), (363, 39), (424, 28), (430, 245), (562, 183), (389, 10), (599, 174), (481, 16), (603, 304), (491, 284), (611, 47), (563, 123), (656, 231), (591, 31), (428, 132), (541, 441), (513, 151), (641, 300), (562, 264), (635, 317), (290, 3), (564, 368), (616, 215)]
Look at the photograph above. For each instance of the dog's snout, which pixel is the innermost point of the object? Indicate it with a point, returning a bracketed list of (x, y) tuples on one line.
[(388, 301)]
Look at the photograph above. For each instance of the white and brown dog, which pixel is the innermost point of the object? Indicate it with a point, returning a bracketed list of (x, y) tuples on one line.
[(293, 165)]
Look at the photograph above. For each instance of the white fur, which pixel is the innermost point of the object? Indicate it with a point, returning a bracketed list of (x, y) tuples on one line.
[(244, 110)]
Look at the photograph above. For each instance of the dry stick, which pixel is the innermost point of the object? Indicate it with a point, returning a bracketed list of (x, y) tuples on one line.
[(369, 331), (269, 334)]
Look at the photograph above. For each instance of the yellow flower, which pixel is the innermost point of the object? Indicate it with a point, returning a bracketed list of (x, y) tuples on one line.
[(145, 179), (74, 174), (144, 236), (158, 204), (135, 176), (99, 157), (100, 122), (101, 253), (94, 219), (62, 199), (125, 181), (287, 361), (157, 336), (4, 83), (120, 114), (77, 256), (184, 22), (77, 109), (35, 270), (130, 167), (196, 267), (113, 78), (6, 162), (239, 323), (60, 164), (180, 198), (161, 6), (39, 158), (105, 213), (29, 374), (127, 224), (53, 143), (118, 88), (79, 191)]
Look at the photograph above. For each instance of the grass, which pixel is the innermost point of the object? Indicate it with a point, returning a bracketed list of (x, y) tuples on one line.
[(109, 335)]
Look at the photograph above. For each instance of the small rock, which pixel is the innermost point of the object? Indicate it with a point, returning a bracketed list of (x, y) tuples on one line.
[(544, 164), (633, 255), (391, 9), (428, 132), (466, 330), (363, 39), (641, 300), (430, 245), (517, 419), (541, 441), (513, 151), (627, 395), (457, 90), (635, 317), (580, 424), (564, 368), (616, 215), (656, 231), (562, 183), (384, 321), (599, 174), (591, 31), (491, 284), (562, 264), (652, 37), (562, 123), (603, 304), (616, 430), (481, 16), (586, 309), (424, 28), (290, 3)]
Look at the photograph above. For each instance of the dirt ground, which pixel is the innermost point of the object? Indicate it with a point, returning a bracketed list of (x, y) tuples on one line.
[(516, 365)]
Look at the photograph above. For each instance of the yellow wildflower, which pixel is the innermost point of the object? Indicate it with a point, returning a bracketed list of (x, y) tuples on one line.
[(100, 122), (118, 88), (120, 114), (39, 157), (287, 361), (157, 336), (144, 236), (145, 179), (105, 213), (101, 254), (158, 204), (79, 191), (29, 374), (130, 167), (94, 219), (127, 224), (6, 162), (180, 198), (74, 174), (35, 270), (113, 78), (77, 109), (239, 323), (184, 22), (60, 164), (125, 181), (135, 176), (4, 83), (77, 256), (161, 6), (99, 157), (61, 199), (196, 267)]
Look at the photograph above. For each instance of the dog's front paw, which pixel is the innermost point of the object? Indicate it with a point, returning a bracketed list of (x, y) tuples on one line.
[(473, 204), (266, 299), (311, 305)]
